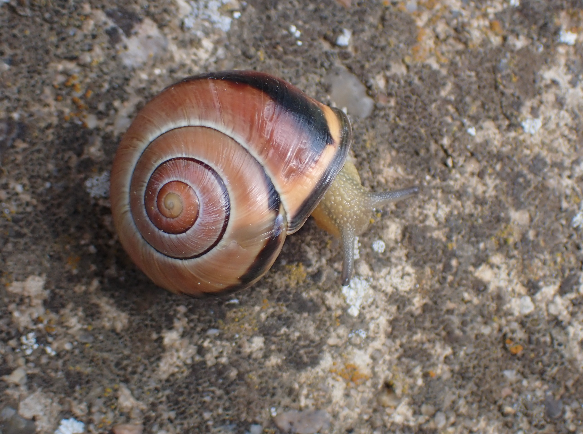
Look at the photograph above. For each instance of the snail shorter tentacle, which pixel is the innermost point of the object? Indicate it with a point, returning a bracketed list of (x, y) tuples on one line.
[(380, 199)]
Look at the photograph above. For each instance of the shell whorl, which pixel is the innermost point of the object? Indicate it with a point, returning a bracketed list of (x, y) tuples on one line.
[(214, 172)]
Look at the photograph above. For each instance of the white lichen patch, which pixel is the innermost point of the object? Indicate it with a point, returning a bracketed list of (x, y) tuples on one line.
[(25, 313), (146, 44), (179, 351), (111, 316), (393, 232), (400, 276), (43, 408), (356, 294), (70, 426), (254, 347), (531, 125), (378, 246), (218, 351), (98, 186), (567, 37), (577, 220), (29, 343), (499, 273), (522, 305), (209, 13)]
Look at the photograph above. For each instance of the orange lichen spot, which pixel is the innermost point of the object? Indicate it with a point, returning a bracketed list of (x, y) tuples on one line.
[(67, 117), (345, 3), (296, 274), (73, 262), (56, 86), (350, 373), (516, 349), (59, 98), (77, 101), (496, 27), (77, 87), (429, 4), (421, 34), (71, 80), (88, 94), (431, 374), (441, 58), (508, 341)]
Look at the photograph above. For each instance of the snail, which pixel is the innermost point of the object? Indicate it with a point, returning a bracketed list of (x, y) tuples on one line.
[(217, 169)]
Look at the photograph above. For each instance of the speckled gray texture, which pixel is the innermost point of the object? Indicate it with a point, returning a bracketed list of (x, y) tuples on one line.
[(468, 320)]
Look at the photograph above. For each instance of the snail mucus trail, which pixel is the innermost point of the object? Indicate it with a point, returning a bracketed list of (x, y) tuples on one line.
[(217, 169)]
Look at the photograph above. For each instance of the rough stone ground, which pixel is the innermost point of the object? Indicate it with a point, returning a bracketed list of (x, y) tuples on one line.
[(470, 319)]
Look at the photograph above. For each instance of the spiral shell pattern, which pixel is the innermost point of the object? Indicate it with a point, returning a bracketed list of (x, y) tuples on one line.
[(215, 171)]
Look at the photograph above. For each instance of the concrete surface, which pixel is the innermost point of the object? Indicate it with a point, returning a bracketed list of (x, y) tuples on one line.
[(466, 311)]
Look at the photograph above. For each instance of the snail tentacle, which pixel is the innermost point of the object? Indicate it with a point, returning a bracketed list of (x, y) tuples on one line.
[(380, 199)]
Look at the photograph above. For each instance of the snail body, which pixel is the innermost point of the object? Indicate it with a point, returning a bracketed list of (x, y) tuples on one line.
[(217, 169)]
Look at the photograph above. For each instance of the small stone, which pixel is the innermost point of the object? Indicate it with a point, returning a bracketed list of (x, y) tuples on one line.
[(302, 422), (428, 410), (526, 306), (511, 375), (553, 407), (411, 7), (86, 337), (507, 410), (387, 397), (440, 420), (344, 38), (126, 401), (348, 92), (256, 429), (18, 376), (12, 423), (128, 428)]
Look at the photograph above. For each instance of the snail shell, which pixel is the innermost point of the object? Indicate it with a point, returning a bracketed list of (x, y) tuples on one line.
[(218, 168)]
